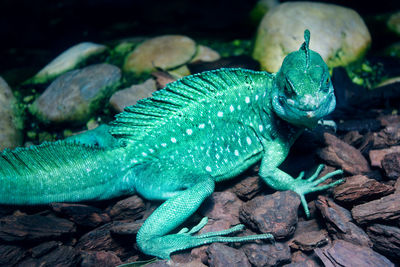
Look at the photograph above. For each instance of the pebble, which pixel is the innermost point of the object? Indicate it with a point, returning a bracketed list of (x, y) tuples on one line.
[(75, 96), (162, 52), (338, 33), (68, 60), (129, 96), (10, 123)]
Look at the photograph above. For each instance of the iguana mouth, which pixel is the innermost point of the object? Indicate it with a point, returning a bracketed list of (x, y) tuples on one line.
[(287, 109)]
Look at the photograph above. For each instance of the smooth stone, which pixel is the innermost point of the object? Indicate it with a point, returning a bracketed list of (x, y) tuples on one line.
[(205, 54), (10, 123), (339, 34), (130, 96), (68, 60), (163, 52), (75, 96), (393, 22)]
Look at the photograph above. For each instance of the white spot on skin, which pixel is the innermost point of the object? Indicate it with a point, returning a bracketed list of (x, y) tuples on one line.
[(260, 127), (134, 161), (231, 108), (208, 168), (144, 154), (189, 131), (239, 107), (248, 140), (247, 99), (220, 114), (256, 97), (201, 126), (217, 156), (236, 153), (151, 150), (173, 140), (163, 144)]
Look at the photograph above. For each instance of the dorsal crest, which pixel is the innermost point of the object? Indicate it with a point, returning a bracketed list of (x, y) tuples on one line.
[(178, 98), (306, 47)]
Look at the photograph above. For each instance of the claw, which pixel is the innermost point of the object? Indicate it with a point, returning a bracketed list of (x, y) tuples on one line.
[(316, 173), (301, 175), (309, 185), (325, 177)]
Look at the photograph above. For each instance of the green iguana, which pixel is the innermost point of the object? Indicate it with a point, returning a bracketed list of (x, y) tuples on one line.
[(177, 144)]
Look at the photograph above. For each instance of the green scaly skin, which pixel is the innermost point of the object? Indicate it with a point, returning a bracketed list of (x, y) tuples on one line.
[(176, 145)]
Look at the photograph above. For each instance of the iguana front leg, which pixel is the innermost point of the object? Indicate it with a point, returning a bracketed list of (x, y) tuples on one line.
[(275, 153), (153, 237)]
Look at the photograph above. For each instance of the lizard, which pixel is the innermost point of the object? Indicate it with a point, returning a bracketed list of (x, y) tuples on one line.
[(174, 146)]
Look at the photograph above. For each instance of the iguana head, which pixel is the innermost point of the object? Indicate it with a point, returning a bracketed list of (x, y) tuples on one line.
[(303, 92)]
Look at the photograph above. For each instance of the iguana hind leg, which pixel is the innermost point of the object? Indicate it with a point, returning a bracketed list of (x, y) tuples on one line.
[(153, 237)]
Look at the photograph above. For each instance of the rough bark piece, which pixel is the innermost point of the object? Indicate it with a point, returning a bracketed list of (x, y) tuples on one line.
[(275, 254), (44, 248), (33, 227), (339, 225), (275, 214), (83, 215), (131, 208), (61, 256), (100, 258), (308, 236), (386, 239), (391, 165), (299, 259), (222, 206), (342, 155), (101, 239), (359, 188), (10, 255), (342, 253), (247, 188), (376, 156), (221, 255), (384, 209), (126, 229)]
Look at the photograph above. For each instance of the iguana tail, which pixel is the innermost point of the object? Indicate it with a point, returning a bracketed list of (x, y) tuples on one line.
[(62, 171)]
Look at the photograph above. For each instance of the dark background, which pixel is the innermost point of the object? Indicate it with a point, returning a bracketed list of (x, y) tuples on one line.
[(32, 32)]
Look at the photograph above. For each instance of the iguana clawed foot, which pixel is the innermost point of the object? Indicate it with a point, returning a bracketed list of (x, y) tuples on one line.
[(304, 186), (184, 239)]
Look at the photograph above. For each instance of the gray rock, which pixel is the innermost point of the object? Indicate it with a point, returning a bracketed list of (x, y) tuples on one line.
[(10, 123), (68, 60), (75, 96), (339, 34), (164, 52), (129, 96)]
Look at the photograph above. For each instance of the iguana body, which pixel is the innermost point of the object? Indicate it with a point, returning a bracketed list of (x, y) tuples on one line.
[(175, 145)]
